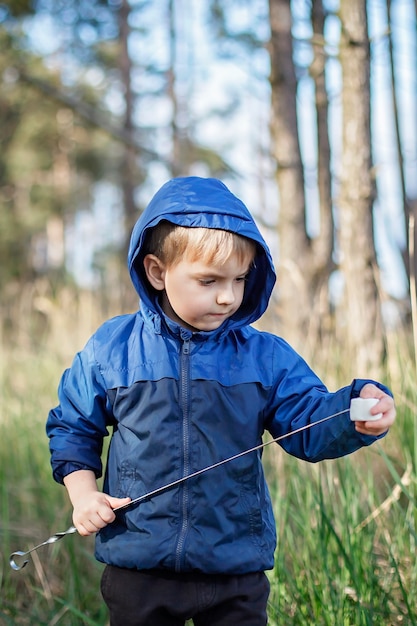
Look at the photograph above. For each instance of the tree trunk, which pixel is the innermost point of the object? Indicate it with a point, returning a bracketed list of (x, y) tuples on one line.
[(176, 169), (294, 245), (177, 86), (305, 263), (128, 168), (321, 323), (323, 244), (409, 209), (359, 315)]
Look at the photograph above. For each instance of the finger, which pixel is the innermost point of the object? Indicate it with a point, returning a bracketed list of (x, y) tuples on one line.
[(96, 523), (371, 391), (107, 515), (83, 531), (386, 407), (116, 503), (373, 429)]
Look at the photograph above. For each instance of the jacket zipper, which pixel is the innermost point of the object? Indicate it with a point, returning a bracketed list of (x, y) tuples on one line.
[(185, 405)]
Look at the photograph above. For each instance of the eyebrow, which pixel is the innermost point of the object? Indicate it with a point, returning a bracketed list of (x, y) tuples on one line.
[(216, 274)]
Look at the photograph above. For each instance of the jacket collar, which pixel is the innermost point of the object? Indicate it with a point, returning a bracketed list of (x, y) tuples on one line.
[(159, 321)]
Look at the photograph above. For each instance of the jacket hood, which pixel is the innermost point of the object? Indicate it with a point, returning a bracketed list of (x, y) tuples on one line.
[(208, 203)]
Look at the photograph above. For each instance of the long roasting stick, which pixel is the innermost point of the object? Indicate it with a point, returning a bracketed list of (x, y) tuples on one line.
[(15, 556)]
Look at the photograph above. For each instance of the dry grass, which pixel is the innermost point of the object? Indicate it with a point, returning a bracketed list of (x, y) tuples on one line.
[(347, 529)]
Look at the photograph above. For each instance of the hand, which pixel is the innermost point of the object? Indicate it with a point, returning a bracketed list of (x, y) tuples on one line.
[(94, 510), (385, 406)]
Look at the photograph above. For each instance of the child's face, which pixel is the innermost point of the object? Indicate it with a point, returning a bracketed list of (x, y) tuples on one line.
[(201, 296)]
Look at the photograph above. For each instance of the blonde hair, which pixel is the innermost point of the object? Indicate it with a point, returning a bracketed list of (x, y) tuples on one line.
[(172, 243)]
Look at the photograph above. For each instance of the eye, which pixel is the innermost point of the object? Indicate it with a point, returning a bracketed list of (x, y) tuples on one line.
[(206, 282), (240, 279)]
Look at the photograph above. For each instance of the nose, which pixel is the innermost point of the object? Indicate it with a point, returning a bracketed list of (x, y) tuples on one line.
[(226, 295)]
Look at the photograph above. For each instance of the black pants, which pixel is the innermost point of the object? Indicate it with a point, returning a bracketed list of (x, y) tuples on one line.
[(157, 598)]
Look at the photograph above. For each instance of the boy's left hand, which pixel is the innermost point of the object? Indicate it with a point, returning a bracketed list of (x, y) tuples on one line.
[(385, 406)]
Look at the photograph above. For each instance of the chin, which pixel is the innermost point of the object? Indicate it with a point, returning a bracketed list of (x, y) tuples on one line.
[(208, 327)]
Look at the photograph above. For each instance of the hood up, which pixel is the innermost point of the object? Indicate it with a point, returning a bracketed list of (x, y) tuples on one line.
[(208, 203)]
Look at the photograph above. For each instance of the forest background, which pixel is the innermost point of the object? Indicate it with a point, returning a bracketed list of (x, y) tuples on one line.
[(307, 110)]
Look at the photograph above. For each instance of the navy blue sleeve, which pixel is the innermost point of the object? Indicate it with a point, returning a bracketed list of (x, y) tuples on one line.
[(77, 426), (299, 398)]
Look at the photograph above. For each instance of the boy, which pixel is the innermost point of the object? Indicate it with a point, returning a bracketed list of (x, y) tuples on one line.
[(184, 383)]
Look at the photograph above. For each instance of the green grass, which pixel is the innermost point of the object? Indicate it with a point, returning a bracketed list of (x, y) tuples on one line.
[(342, 559), (60, 583), (335, 563), (347, 537)]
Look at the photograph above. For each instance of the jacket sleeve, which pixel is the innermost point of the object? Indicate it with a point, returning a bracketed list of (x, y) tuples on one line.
[(76, 427), (299, 398)]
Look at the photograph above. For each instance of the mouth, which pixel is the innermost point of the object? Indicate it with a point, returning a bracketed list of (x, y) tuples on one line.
[(220, 316)]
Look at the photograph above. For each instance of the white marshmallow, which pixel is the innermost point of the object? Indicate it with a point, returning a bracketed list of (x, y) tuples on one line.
[(359, 410)]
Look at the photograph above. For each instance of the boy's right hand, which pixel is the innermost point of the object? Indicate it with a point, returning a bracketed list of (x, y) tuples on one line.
[(94, 511), (92, 508)]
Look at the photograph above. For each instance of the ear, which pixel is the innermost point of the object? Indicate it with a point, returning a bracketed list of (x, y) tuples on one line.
[(155, 271)]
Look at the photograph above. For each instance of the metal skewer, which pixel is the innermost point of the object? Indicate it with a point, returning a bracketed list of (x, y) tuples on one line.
[(15, 556), (20, 555)]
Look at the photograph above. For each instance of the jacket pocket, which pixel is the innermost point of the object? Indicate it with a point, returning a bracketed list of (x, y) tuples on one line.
[(129, 483), (251, 503)]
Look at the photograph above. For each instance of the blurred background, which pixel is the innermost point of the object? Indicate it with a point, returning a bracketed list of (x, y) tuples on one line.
[(307, 110)]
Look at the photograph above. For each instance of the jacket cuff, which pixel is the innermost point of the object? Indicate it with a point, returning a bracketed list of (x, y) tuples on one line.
[(60, 472)]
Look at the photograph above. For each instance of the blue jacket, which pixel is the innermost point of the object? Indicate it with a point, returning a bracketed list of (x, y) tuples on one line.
[(179, 401)]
